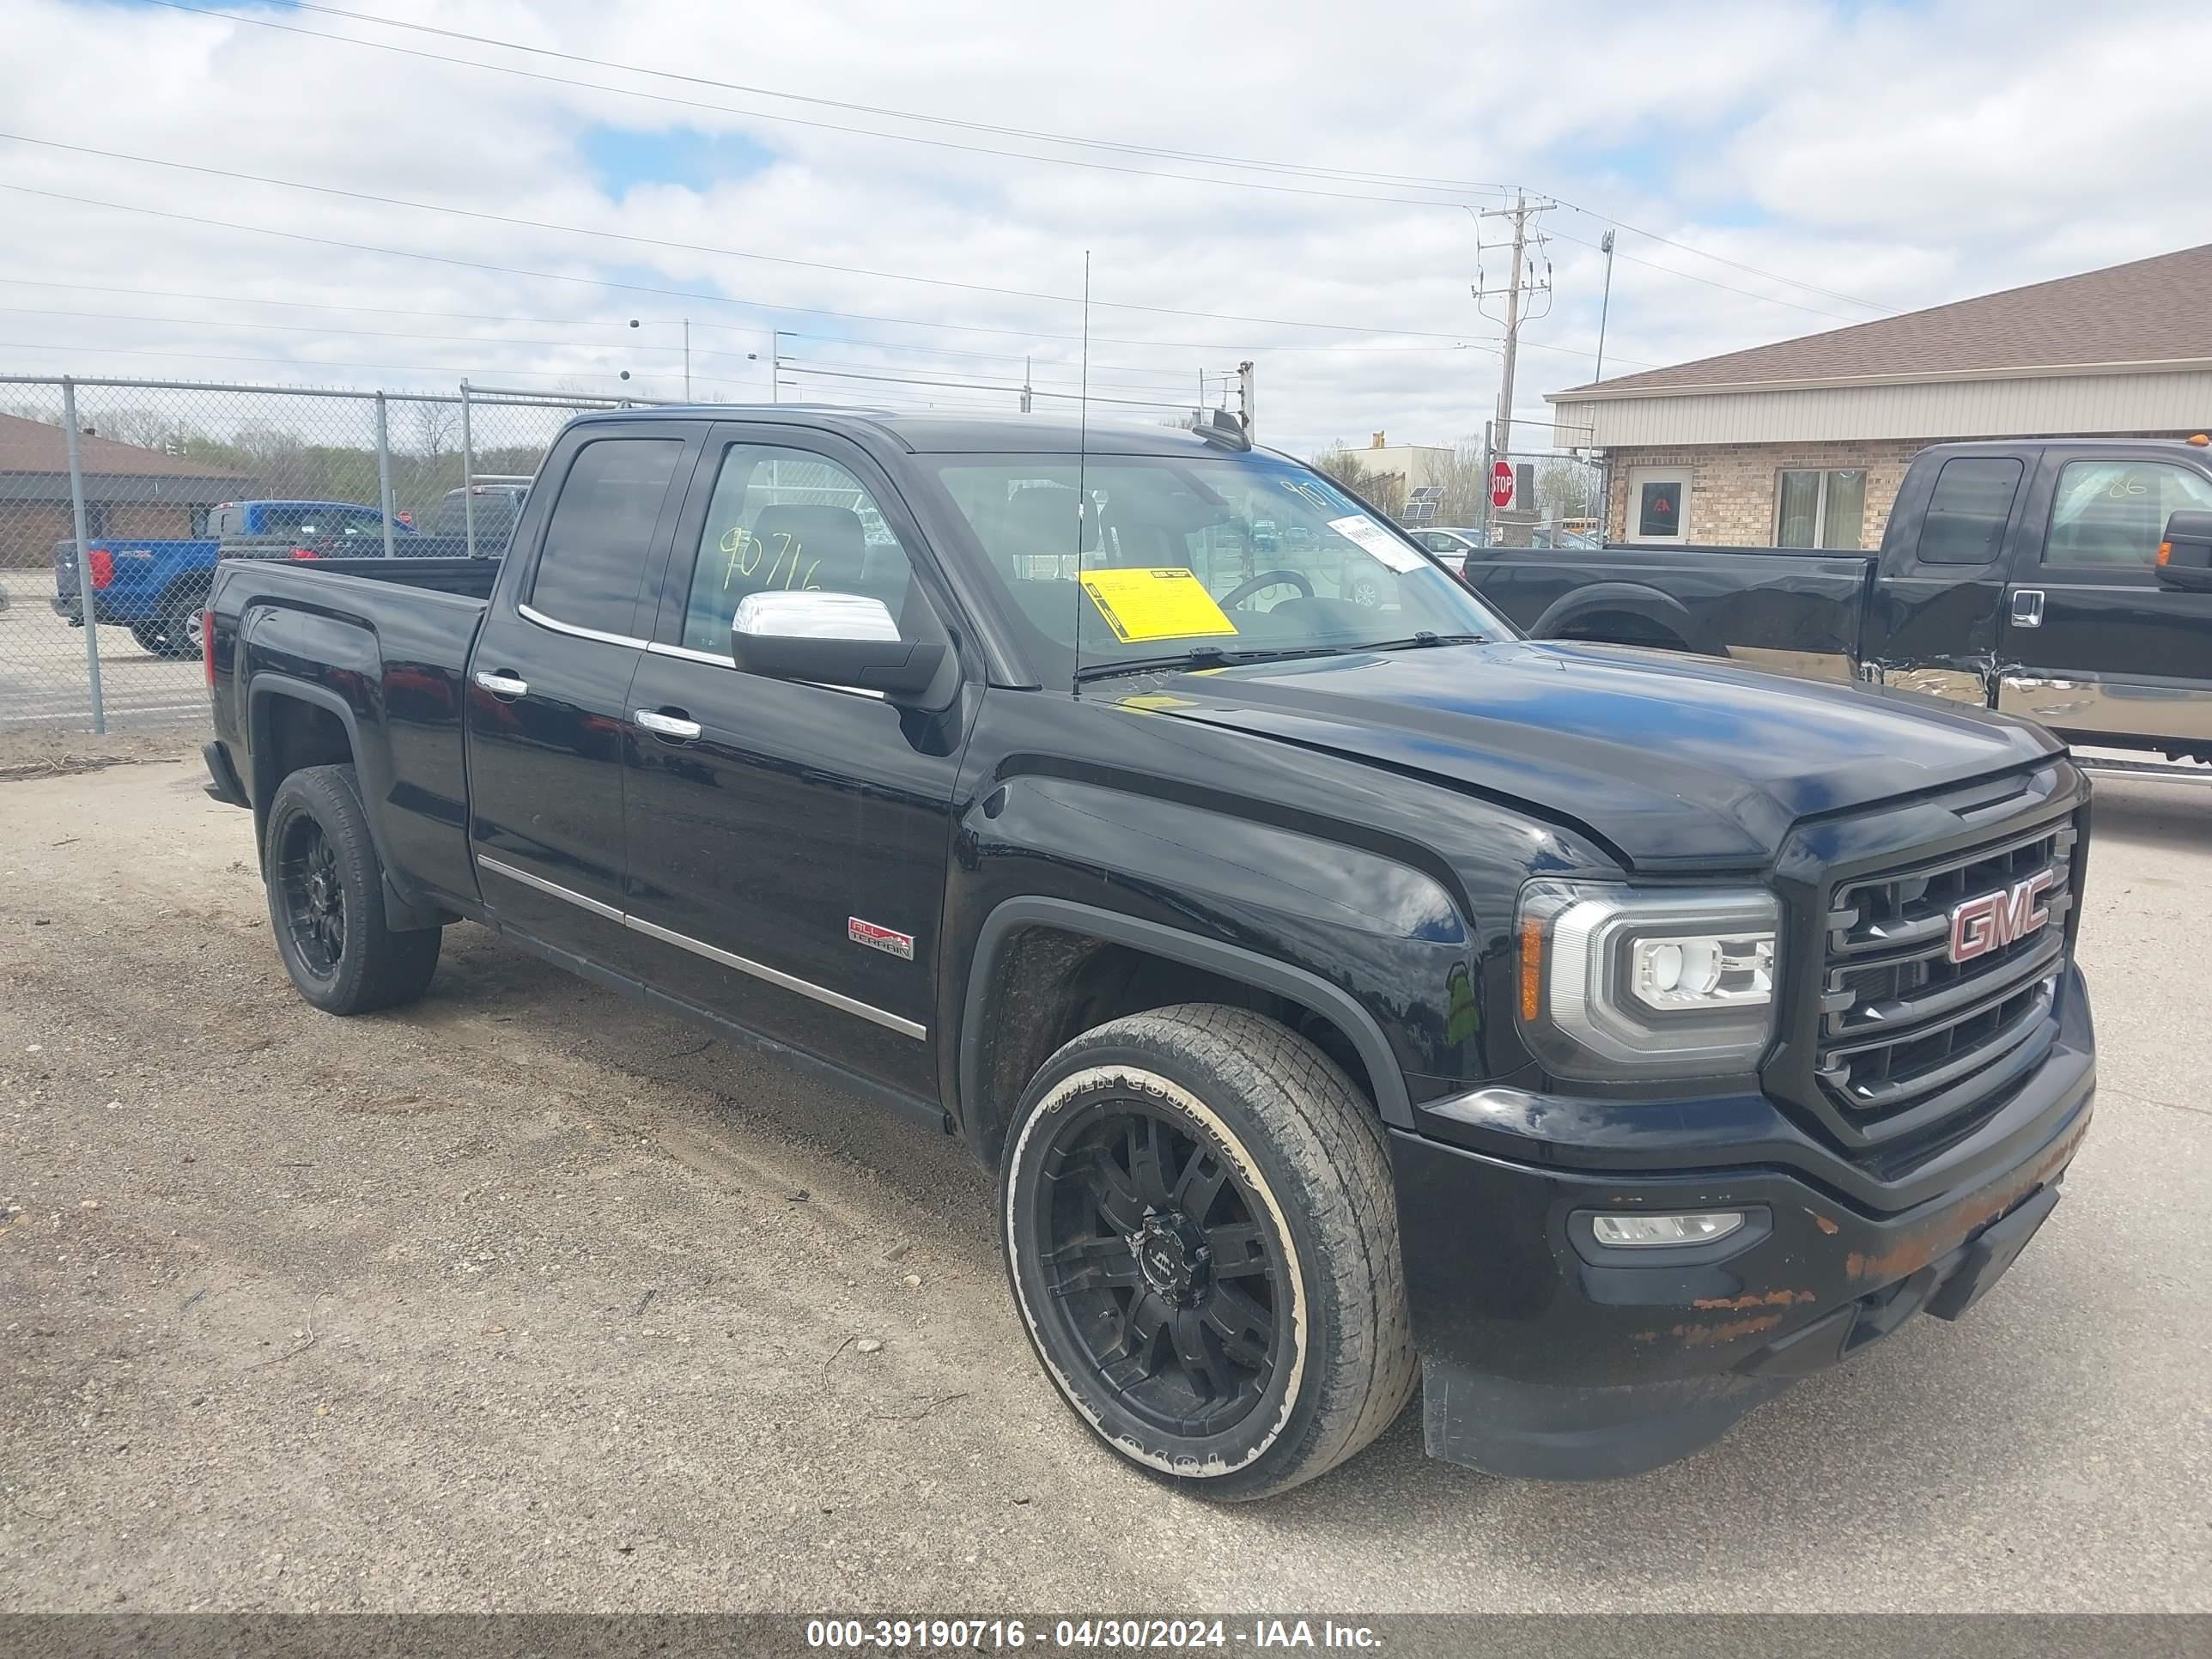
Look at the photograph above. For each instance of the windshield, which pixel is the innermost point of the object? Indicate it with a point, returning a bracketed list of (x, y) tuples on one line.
[(1238, 557)]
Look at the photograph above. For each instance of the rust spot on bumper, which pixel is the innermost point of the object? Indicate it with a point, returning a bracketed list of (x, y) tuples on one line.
[(1753, 1299), (1707, 1336), (1939, 1237)]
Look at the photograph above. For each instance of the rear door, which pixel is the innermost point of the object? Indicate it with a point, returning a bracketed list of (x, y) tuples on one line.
[(2094, 646), (1934, 617), (788, 843), (548, 684)]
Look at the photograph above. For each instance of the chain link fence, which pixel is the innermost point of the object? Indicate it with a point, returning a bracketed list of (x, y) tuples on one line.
[(1557, 500), (165, 474)]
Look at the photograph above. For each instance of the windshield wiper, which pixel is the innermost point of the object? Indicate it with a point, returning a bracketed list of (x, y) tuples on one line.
[(1425, 638), (1202, 656)]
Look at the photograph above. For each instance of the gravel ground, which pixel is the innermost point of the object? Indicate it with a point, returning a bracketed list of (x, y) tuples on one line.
[(520, 1298)]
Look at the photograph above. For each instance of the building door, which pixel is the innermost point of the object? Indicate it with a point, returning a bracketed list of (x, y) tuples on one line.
[(1658, 509)]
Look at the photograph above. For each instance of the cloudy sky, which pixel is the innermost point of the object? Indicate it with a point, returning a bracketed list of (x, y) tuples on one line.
[(910, 191)]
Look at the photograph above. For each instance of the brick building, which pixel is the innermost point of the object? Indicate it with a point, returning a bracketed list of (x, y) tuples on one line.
[(129, 490), (1803, 443)]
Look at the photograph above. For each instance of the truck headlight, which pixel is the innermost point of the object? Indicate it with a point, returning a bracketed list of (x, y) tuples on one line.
[(1622, 983)]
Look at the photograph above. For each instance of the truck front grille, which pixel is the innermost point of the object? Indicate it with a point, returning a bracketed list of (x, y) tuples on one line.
[(1907, 1035)]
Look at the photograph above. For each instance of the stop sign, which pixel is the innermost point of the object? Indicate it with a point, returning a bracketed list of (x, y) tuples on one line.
[(1501, 483)]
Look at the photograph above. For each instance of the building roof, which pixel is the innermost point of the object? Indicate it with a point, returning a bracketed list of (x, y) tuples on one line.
[(2147, 312), (34, 447)]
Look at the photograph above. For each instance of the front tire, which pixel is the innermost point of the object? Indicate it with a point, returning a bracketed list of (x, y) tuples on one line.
[(1202, 1237), (327, 900)]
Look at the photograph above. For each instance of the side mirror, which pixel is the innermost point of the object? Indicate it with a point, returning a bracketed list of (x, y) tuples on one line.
[(2185, 556), (831, 639)]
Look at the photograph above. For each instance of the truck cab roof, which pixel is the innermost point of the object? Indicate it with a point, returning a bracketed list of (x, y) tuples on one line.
[(941, 434)]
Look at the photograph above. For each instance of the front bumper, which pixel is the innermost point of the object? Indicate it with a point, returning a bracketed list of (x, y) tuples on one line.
[(1545, 1355)]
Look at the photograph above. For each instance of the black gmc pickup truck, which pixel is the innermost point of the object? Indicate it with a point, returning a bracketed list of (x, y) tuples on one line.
[(2018, 576), (1346, 989)]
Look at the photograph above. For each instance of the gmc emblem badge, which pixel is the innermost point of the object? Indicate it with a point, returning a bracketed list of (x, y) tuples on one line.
[(1995, 919)]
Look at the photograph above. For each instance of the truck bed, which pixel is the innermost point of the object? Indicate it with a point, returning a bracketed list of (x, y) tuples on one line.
[(384, 645), (1791, 608)]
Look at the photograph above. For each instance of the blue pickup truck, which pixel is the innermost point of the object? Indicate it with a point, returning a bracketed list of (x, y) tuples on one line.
[(157, 588)]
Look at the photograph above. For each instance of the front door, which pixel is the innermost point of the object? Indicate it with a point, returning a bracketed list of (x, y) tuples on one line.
[(547, 693), (788, 843), (2094, 646)]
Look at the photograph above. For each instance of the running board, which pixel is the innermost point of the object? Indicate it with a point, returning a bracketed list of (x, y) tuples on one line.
[(2158, 771)]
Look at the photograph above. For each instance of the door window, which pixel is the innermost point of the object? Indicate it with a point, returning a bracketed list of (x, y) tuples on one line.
[(784, 518), (1969, 509), (601, 531), (2112, 514)]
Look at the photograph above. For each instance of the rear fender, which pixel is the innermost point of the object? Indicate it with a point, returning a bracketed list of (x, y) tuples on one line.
[(1637, 599), (404, 909)]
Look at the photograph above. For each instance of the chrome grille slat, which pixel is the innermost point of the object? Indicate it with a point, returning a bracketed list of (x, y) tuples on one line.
[(1914, 1014), (1891, 1093), (1902, 1030)]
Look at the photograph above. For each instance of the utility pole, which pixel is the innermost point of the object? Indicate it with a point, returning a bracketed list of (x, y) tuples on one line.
[(775, 367), (1520, 212), (1244, 401), (687, 360), (1604, 242), (1025, 386)]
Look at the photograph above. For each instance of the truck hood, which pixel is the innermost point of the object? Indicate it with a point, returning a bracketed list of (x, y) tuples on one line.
[(1676, 762)]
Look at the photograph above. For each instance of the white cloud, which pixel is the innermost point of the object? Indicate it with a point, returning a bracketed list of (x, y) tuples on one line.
[(1902, 155)]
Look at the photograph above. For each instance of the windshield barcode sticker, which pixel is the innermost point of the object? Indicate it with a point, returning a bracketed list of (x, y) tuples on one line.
[(1372, 538)]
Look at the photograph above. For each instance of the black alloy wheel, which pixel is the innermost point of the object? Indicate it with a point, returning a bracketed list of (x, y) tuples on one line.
[(314, 896), (1159, 1271)]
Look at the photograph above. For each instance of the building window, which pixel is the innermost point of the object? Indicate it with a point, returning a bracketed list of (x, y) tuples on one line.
[(1820, 509)]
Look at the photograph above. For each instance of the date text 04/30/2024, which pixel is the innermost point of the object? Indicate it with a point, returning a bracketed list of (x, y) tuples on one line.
[(977, 1635)]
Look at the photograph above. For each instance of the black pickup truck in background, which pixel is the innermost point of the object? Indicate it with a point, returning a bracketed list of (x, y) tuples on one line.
[(2022, 577), (1332, 977)]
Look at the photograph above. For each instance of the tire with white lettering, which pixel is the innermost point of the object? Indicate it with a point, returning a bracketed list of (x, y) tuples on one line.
[(1202, 1236)]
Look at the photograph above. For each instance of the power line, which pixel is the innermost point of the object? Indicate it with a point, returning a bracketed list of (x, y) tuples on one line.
[(1718, 258), (321, 328), (1403, 181), (765, 115), (1691, 275), (294, 363), (684, 247), (798, 367), (873, 109), (1457, 342)]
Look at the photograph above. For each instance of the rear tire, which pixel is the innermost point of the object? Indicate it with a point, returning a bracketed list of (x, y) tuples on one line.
[(327, 900), (1202, 1236), (175, 632)]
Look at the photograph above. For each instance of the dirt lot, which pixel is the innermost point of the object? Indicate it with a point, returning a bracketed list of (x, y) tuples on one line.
[(522, 1298)]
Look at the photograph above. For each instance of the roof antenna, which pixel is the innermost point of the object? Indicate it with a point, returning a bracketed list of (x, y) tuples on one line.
[(1082, 474)]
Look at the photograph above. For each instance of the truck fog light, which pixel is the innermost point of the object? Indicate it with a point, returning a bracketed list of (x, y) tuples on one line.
[(1638, 1231)]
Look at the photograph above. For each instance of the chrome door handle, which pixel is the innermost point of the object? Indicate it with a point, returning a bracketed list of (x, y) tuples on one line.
[(666, 726), (502, 685), (2027, 608)]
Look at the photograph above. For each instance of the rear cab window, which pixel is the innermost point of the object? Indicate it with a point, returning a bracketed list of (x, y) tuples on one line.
[(600, 532), (1969, 509)]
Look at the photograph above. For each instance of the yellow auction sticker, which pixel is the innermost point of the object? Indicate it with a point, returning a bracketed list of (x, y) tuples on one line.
[(1163, 602)]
